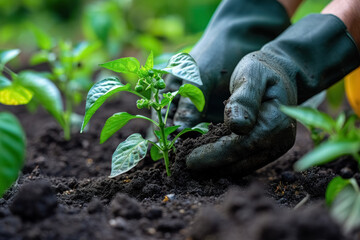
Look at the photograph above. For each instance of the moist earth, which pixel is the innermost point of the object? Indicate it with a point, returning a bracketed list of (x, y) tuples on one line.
[(64, 191)]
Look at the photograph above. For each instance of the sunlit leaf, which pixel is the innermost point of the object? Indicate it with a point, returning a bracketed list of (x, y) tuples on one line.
[(194, 94), (15, 95), (150, 61), (128, 154), (83, 50), (182, 65), (123, 65), (98, 94), (12, 150)]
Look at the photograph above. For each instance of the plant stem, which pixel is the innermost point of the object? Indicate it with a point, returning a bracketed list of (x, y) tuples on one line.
[(67, 118)]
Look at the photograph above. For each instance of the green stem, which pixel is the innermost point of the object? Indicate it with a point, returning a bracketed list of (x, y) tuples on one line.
[(166, 158), (67, 117)]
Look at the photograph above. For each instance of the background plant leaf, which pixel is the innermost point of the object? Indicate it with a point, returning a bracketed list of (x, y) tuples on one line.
[(182, 65), (310, 117), (8, 55), (98, 94), (327, 152), (128, 154), (45, 92), (12, 150), (15, 94), (346, 208), (335, 186), (123, 65)]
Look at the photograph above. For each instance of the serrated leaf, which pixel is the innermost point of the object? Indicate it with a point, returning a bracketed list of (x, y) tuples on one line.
[(310, 117), (155, 153), (115, 123), (150, 61), (12, 150), (98, 94), (327, 152), (45, 92), (182, 65), (346, 208), (194, 94), (335, 186), (8, 55), (15, 94), (128, 154), (167, 131), (123, 65)]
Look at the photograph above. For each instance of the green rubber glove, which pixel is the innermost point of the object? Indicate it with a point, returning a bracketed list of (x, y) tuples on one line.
[(236, 28), (307, 58)]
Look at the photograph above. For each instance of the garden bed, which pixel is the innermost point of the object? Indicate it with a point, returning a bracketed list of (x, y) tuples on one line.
[(64, 191)]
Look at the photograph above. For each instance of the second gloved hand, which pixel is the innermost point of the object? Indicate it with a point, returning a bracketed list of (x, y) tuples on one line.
[(307, 58)]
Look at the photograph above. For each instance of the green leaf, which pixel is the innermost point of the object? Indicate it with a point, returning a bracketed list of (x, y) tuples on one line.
[(335, 186), (45, 92), (194, 94), (150, 61), (98, 94), (123, 65), (327, 152), (310, 117), (8, 55), (155, 153), (43, 40), (115, 123), (15, 94), (41, 57), (128, 154), (346, 207), (12, 150), (201, 128), (182, 65), (167, 131), (4, 82), (83, 50)]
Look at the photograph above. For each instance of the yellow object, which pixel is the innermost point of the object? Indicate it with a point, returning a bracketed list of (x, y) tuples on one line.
[(352, 88), (15, 95)]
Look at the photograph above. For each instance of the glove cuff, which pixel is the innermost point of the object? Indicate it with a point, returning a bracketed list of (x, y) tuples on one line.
[(317, 51)]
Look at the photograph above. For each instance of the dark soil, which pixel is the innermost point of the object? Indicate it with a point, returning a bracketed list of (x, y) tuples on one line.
[(64, 192)]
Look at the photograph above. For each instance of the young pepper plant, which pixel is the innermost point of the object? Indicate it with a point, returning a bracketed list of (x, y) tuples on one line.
[(69, 72), (134, 148)]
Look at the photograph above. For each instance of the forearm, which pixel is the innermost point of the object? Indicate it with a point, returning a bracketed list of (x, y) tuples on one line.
[(349, 12)]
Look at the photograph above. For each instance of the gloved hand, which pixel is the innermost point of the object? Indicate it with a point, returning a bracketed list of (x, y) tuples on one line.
[(307, 58), (237, 28)]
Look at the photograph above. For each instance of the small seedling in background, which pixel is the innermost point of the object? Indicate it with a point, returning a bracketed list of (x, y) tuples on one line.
[(134, 148), (343, 198), (69, 71), (333, 138)]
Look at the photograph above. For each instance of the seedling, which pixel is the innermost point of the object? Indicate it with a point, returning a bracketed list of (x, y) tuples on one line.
[(343, 198), (333, 138), (150, 82), (69, 72)]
